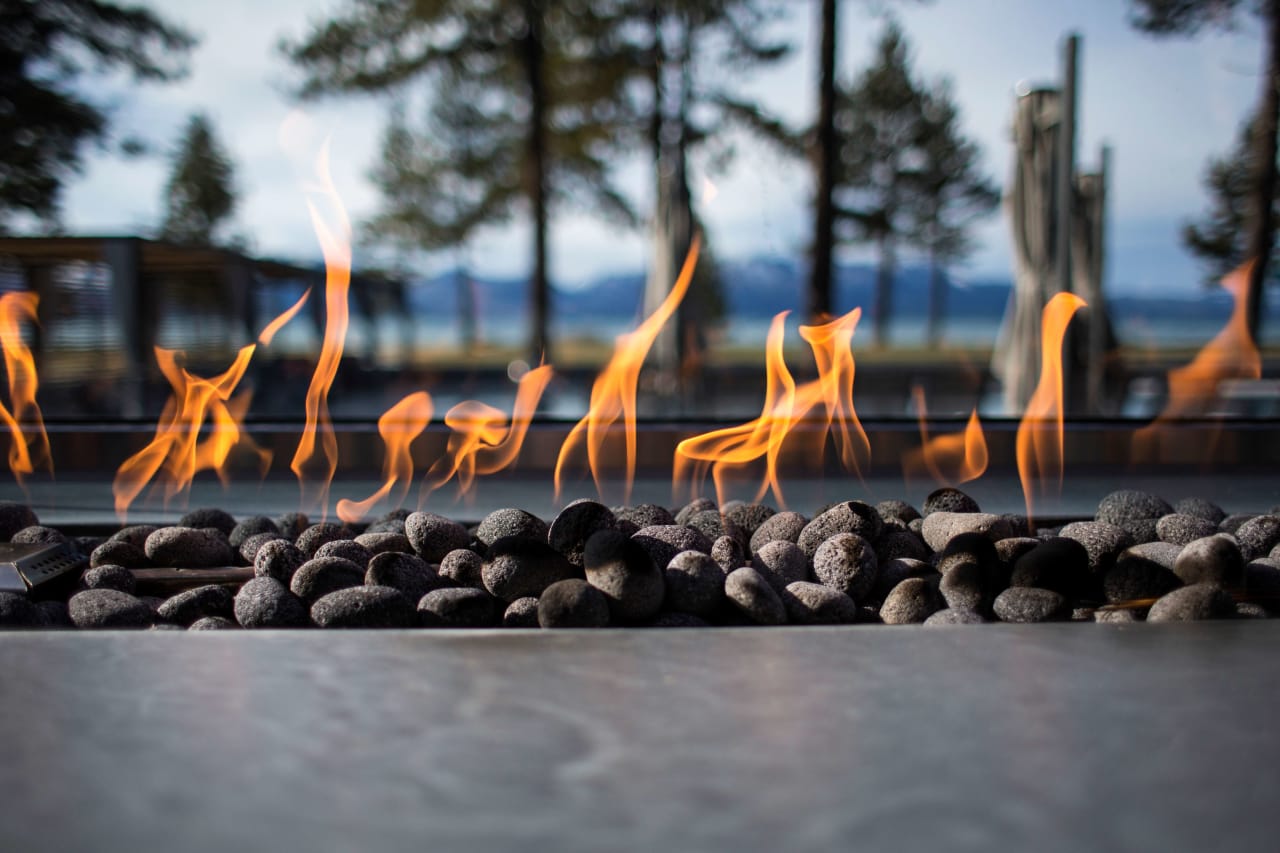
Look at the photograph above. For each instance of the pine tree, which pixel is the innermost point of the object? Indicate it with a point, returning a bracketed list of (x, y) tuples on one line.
[(1188, 17), (500, 75), (953, 194), (200, 195), (46, 119)]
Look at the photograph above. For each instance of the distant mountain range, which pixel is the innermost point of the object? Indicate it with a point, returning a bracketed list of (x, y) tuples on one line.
[(759, 288)]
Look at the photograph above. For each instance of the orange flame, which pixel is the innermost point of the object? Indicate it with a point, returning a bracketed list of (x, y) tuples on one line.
[(1039, 439), (785, 405), (613, 395), (399, 426), (949, 459), (337, 261), (176, 451), (25, 451), (483, 442)]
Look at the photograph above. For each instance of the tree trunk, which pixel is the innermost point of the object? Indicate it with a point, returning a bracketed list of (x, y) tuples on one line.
[(820, 274), (657, 64), (1262, 232), (539, 339), (937, 302), (884, 291)]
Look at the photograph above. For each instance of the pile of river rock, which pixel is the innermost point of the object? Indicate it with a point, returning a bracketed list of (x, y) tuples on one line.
[(646, 566)]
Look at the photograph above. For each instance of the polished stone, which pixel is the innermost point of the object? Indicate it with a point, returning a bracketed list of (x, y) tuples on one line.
[(1048, 737)]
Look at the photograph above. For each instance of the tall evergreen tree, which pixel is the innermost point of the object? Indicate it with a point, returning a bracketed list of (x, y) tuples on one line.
[(825, 145), (953, 193), (200, 195), (880, 156), (503, 74), (1218, 238), (1188, 17), (46, 49)]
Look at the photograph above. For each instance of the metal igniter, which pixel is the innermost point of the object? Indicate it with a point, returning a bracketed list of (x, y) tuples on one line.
[(41, 570)]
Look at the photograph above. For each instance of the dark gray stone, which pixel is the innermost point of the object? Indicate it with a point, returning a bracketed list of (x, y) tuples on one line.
[(695, 584), (1161, 553), (785, 526), (1200, 508), (18, 613), (573, 603), (516, 567), (278, 559), (951, 616), (265, 602), (848, 517), (1126, 616), (1262, 579), (754, 597), (633, 518), (1258, 536), (433, 536), (749, 517), (134, 534), (1232, 522), (665, 541), (896, 544), (504, 523), (38, 535), (728, 554), (463, 567), (187, 548), (1030, 604), (1009, 550), (209, 517), (310, 540), (848, 563), (408, 573), (192, 604), (110, 577), (693, 507), (948, 499), (108, 609), (1213, 559), (1129, 505), (1251, 610), (621, 568), (458, 607), (364, 607), (347, 549), (816, 604), (213, 623), (385, 542), (967, 586), (318, 577), (254, 525), (895, 572), (56, 615), (118, 553), (911, 602), (676, 619), (940, 527), (249, 547), (1179, 529), (1140, 572), (14, 517), (575, 524), (1059, 564), (781, 563), (1193, 603), (896, 510), (711, 524), (1103, 542), (521, 613), (292, 524)]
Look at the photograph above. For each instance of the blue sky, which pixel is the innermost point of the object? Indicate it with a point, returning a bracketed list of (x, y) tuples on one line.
[(1163, 105)]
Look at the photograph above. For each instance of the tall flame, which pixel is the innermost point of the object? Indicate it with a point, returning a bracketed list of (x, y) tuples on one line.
[(1039, 439), (336, 246), (399, 426), (785, 405), (483, 441), (29, 445), (613, 395), (949, 459)]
